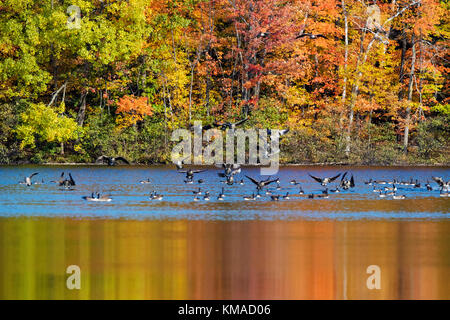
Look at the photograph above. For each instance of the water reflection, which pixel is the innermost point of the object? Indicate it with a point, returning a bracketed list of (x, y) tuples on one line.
[(203, 259)]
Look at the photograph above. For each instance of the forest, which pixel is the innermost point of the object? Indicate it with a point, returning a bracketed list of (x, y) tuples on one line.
[(355, 81)]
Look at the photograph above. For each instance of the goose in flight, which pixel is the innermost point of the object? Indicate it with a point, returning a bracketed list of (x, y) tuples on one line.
[(67, 183), (346, 183), (324, 181), (310, 35), (111, 161), (179, 163), (229, 125), (261, 184), (190, 173), (444, 185), (27, 180)]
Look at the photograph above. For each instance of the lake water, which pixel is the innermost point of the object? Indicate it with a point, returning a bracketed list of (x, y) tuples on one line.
[(137, 248)]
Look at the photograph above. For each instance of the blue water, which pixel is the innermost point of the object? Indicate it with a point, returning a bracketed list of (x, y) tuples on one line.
[(130, 198)]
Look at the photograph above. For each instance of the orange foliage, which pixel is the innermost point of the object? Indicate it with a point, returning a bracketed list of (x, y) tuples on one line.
[(131, 109)]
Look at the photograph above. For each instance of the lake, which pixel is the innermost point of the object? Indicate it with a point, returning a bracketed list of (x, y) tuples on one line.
[(137, 248)]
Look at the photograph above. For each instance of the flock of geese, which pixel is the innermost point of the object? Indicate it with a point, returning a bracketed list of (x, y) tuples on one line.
[(385, 189)]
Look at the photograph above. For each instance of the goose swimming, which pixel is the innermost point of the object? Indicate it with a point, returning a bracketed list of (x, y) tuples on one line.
[(98, 198), (286, 196), (275, 197), (145, 181), (221, 195), (252, 197), (398, 197), (206, 197)]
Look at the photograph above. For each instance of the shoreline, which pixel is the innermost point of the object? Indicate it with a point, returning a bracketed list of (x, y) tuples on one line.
[(244, 165)]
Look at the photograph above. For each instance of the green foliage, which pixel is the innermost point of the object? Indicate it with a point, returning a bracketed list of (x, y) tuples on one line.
[(43, 123)]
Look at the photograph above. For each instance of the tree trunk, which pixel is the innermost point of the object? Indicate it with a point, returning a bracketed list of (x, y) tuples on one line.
[(410, 92), (402, 66), (82, 110)]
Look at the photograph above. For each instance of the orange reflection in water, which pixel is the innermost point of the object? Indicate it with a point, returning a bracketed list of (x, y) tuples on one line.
[(185, 259)]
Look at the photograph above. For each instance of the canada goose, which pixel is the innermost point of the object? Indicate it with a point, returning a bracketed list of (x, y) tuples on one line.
[(145, 181), (252, 197), (179, 163), (61, 179), (97, 198), (310, 35), (294, 182), (444, 185), (368, 182), (27, 180), (221, 195), (199, 181), (228, 168), (268, 155), (198, 192), (429, 187), (311, 196), (258, 195), (206, 197), (228, 125), (391, 193), (275, 197), (301, 191), (324, 181), (398, 197), (188, 181), (196, 199), (67, 183), (376, 190), (393, 188), (323, 196), (190, 173), (382, 195), (335, 190), (268, 192), (286, 196), (417, 184), (279, 133), (261, 184), (278, 185), (241, 182), (347, 184), (111, 161), (156, 196)]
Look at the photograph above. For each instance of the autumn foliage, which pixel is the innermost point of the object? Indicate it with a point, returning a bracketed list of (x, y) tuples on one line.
[(132, 109), (355, 81)]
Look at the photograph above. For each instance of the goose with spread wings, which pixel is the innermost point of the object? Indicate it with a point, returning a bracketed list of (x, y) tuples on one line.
[(111, 161), (27, 180), (444, 185), (347, 183), (263, 183), (190, 173), (324, 181)]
